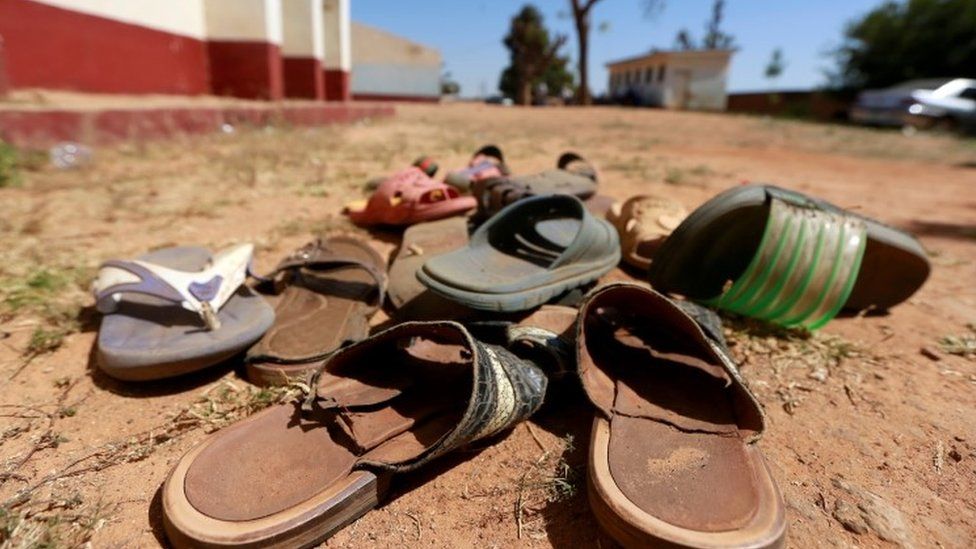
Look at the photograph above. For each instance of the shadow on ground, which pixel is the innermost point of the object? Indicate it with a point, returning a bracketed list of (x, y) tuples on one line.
[(959, 231)]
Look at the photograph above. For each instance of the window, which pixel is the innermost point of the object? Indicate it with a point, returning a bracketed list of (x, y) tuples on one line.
[(968, 93), (648, 74), (660, 73)]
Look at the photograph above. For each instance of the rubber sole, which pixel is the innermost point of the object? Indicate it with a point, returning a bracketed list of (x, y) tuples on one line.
[(164, 371), (629, 526), (304, 525), (266, 374), (523, 300)]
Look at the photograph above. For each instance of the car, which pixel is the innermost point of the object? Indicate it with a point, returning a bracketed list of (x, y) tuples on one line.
[(889, 106), (950, 106), (499, 100)]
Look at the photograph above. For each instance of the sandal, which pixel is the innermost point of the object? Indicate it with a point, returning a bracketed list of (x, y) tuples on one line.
[(673, 460), (643, 222), (778, 255), (530, 252), (176, 310), (293, 474), (409, 197), (333, 287), (486, 163), (573, 176), (412, 300)]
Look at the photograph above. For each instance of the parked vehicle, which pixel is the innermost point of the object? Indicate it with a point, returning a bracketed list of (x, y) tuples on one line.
[(499, 100), (889, 106), (951, 106)]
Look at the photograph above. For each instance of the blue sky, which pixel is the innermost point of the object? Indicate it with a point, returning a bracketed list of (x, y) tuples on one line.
[(469, 33)]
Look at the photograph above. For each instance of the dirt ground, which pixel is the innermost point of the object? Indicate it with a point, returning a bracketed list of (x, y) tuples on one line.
[(872, 425)]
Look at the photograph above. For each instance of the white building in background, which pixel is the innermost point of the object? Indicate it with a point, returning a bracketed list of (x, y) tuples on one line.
[(388, 67), (694, 79)]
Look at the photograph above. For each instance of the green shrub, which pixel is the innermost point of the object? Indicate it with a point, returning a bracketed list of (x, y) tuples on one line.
[(9, 174)]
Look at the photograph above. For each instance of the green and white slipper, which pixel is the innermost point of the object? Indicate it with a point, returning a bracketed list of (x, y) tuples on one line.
[(781, 256)]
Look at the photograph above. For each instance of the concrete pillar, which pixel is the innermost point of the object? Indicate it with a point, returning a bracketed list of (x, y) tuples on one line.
[(303, 48), (244, 48), (338, 52)]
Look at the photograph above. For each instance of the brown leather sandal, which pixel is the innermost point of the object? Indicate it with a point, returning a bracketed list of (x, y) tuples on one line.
[(294, 474), (332, 287), (673, 454)]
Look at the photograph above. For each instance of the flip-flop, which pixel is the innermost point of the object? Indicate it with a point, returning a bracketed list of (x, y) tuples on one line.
[(673, 459), (778, 255), (411, 299), (528, 253), (643, 223), (409, 197), (486, 163), (292, 475), (573, 176), (176, 310), (333, 286)]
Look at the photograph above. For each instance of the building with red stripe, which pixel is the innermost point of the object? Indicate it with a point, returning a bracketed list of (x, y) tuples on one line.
[(255, 49)]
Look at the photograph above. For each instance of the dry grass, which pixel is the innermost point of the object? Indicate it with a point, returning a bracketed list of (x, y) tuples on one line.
[(793, 362), (963, 345), (547, 480), (39, 514)]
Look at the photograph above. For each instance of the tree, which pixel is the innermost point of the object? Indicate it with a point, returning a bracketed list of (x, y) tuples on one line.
[(900, 41), (581, 19), (715, 37), (534, 56), (449, 86), (776, 65), (683, 41)]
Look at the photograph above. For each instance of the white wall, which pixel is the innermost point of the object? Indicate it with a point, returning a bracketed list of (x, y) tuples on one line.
[(182, 17), (706, 84), (245, 20), (302, 24), (338, 49)]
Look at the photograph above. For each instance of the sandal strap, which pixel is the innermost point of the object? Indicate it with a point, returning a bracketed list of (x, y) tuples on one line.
[(203, 292), (804, 268), (318, 255), (583, 166), (505, 390)]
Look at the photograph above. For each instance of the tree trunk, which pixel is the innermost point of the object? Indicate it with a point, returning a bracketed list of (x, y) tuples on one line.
[(583, 40), (524, 92)]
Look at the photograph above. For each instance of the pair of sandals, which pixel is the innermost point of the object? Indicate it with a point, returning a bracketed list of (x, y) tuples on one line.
[(673, 454), (178, 310), (413, 195)]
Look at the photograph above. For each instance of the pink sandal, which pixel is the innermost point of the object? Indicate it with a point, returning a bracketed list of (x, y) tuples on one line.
[(486, 163), (409, 197)]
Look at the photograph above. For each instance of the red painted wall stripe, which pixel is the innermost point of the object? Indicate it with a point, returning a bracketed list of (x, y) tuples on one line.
[(303, 77), (50, 47), (337, 85), (246, 69)]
